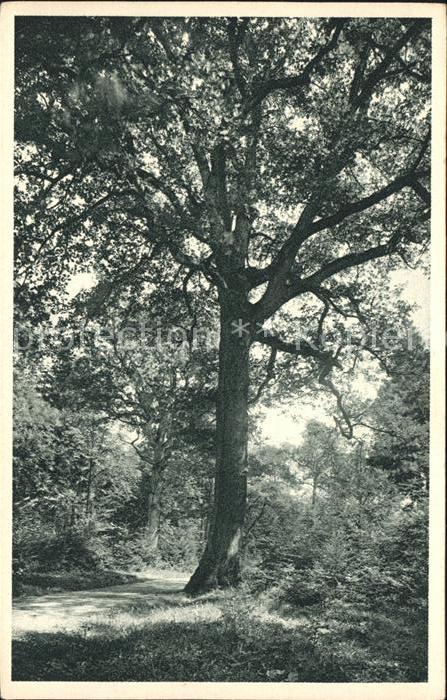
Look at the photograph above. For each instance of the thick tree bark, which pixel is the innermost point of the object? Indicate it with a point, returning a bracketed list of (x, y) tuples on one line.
[(220, 562)]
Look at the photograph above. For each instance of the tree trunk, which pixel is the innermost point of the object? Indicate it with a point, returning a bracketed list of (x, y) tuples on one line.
[(220, 562), (88, 494), (314, 491), (153, 483), (153, 518)]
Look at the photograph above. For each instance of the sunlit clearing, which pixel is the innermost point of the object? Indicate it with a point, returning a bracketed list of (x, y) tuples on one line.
[(131, 620)]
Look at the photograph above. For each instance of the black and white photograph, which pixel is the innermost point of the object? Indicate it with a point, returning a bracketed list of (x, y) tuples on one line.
[(223, 452)]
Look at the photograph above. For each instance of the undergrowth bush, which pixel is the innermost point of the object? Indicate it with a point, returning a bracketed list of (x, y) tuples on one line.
[(39, 583), (39, 546)]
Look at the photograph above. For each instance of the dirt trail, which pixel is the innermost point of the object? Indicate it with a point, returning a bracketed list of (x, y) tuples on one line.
[(69, 609)]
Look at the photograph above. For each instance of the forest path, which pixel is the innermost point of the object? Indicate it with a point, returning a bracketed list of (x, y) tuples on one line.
[(69, 610)]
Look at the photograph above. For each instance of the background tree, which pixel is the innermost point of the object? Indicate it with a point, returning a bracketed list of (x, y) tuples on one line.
[(154, 379), (400, 421), (317, 457), (70, 475)]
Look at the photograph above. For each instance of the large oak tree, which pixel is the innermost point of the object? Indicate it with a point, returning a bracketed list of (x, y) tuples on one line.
[(284, 162)]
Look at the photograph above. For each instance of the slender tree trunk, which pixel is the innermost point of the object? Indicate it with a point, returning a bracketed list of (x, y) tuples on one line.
[(209, 508), (313, 507), (220, 562), (314, 492), (72, 520), (153, 483), (88, 494), (153, 512), (203, 518)]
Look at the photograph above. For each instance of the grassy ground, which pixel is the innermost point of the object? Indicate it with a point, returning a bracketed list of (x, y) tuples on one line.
[(222, 637)]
